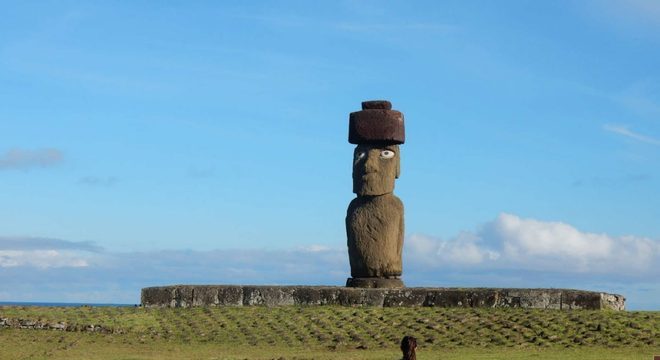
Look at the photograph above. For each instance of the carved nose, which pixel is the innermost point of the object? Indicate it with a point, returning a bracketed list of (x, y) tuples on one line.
[(371, 163)]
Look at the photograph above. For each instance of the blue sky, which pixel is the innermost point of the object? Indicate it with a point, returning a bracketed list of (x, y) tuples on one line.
[(147, 143)]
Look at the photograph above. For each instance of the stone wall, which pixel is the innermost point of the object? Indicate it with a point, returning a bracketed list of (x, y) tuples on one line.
[(241, 295), (55, 325)]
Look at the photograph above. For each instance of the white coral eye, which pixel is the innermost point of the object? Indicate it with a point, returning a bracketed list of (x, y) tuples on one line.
[(387, 154)]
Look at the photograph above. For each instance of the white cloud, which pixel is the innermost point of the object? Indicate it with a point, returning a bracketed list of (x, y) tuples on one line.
[(529, 238), (44, 253), (42, 259), (507, 252), (315, 248), (511, 242), (623, 130), (41, 243), (464, 249), (41, 273), (24, 159)]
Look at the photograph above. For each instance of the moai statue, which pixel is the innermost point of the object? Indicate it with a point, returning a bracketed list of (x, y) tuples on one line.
[(374, 220)]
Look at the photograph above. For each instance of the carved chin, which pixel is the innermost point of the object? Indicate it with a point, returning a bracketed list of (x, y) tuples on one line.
[(373, 187)]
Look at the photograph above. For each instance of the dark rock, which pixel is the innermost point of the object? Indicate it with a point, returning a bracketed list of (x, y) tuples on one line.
[(307, 296), (374, 282), (205, 295), (361, 297), (183, 295), (330, 295), (376, 126), (230, 295), (577, 299), (376, 104), (268, 295), (162, 295)]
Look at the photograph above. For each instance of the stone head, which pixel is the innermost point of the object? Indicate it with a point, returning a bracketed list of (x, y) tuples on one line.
[(374, 169)]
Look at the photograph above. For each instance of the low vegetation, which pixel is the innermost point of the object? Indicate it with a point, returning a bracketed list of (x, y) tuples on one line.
[(324, 333)]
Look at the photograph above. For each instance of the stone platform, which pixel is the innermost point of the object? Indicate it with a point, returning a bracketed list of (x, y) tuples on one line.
[(244, 295)]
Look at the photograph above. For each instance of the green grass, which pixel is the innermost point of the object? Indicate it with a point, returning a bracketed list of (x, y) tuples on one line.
[(329, 333)]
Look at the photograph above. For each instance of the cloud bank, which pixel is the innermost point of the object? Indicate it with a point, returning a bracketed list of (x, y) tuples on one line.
[(511, 242), (508, 251), (45, 253)]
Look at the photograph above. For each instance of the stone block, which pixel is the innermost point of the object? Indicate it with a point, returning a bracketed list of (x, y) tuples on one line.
[(447, 298), (157, 296), (374, 283), (307, 296), (578, 299), (404, 298), (361, 297), (205, 296), (376, 104), (330, 295), (612, 302), (183, 296), (238, 295), (376, 126), (483, 297), (268, 295), (531, 298), (230, 295)]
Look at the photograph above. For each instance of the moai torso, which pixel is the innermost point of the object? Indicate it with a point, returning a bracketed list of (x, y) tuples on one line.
[(374, 220), (374, 225)]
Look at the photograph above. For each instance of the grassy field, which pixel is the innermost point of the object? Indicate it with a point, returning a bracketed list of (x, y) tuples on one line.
[(324, 333)]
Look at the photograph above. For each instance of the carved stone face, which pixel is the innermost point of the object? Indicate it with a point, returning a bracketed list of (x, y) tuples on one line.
[(374, 169)]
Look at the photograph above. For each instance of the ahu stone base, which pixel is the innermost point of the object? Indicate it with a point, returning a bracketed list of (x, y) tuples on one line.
[(244, 295)]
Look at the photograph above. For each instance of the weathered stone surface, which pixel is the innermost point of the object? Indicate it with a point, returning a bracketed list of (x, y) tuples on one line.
[(530, 298), (374, 227), (183, 296), (60, 326), (373, 283), (407, 297), (202, 295), (236, 295), (309, 296), (612, 301), (362, 297), (230, 295), (376, 104), (158, 295), (268, 295), (376, 126), (375, 168), (374, 220), (577, 299), (460, 298)]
